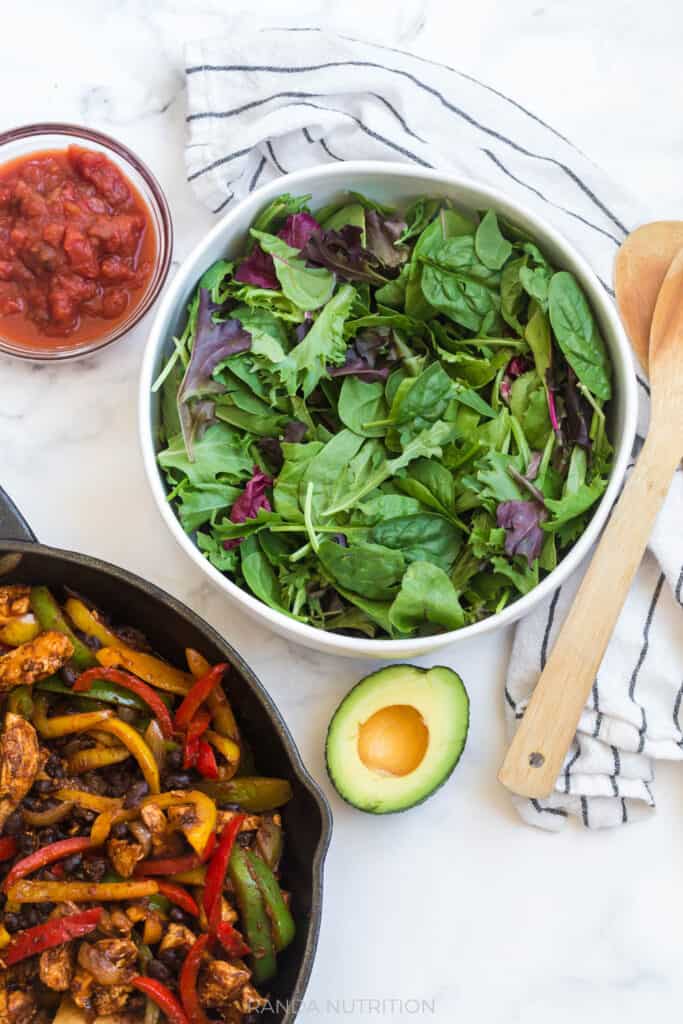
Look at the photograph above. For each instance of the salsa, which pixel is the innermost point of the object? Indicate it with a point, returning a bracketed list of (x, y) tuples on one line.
[(77, 247)]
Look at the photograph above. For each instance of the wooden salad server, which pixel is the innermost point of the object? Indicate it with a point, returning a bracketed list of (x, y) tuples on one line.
[(538, 750), (639, 269)]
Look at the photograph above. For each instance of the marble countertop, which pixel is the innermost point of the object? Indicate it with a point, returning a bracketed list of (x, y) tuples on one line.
[(454, 909)]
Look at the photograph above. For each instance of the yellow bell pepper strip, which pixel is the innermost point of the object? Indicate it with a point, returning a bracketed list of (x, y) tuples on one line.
[(146, 666), (28, 891), (230, 751), (217, 703), (89, 801), (5, 937), (89, 760), (151, 698), (138, 748), (62, 725), (153, 930), (196, 696), (195, 876), (19, 631), (199, 832), (52, 816), (51, 617), (89, 622), (251, 793)]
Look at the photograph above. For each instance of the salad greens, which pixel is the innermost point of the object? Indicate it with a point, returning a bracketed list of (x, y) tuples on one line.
[(386, 423)]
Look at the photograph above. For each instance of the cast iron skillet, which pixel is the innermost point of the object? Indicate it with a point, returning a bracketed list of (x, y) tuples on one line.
[(170, 627)]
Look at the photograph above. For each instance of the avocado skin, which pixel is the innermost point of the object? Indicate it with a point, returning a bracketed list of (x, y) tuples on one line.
[(442, 780)]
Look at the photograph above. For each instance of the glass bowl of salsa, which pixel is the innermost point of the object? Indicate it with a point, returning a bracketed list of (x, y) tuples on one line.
[(85, 241)]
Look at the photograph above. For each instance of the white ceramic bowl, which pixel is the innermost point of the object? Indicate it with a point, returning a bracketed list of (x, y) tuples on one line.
[(392, 184)]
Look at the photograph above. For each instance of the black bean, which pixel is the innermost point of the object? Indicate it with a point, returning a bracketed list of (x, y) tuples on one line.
[(174, 758), (94, 869), (47, 835), (27, 842), (72, 863), (84, 815), (54, 767), (43, 786), (179, 916), (178, 780), (136, 793), (33, 803), (12, 922), (14, 823), (157, 969), (120, 830)]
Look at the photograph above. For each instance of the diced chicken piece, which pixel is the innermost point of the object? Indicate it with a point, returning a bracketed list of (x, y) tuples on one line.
[(249, 1000), (19, 763), (35, 660), (250, 824), (110, 1000), (82, 985), (155, 820), (69, 1013), (15, 600), (124, 855), (220, 983), (109, 961), (115, 923), (57, 967), (21, 1007), (176, 937)]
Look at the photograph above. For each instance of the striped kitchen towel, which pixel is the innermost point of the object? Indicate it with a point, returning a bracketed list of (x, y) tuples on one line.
[(280, 99)]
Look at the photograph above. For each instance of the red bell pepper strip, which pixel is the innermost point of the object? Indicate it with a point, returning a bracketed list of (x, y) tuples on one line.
[(181, 897), (8, 847), (231, 940), (51, 933), (136, 686), (199, 724), (206, 761), (47, 855), (167, 865), (162, 996), (188, 982), (198, 694), (217, 870), (209, 848)]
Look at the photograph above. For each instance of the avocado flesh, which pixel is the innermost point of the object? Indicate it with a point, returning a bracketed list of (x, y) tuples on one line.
[(397, 736)]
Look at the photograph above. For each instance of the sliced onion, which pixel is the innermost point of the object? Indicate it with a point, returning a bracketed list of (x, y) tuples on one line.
[(154, 738)]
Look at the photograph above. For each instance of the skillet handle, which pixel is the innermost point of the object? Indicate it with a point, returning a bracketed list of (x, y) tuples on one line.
[(13, 526)]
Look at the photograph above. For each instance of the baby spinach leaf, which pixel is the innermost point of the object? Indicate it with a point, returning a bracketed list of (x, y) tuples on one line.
[(422, 537), (427, 596), (197, 505), (286, 490), (259, 574), (361, 403), (368, 569), (578, 335), (384, 507), (491, 247)]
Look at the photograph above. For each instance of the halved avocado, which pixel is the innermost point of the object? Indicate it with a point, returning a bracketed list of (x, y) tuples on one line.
[(397, 736)]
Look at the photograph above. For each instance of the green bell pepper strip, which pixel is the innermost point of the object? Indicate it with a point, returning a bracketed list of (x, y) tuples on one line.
[(281, 920), (100, 690), (255, 920), (51, 616), (20, 701), (159, 902), (252, 793)]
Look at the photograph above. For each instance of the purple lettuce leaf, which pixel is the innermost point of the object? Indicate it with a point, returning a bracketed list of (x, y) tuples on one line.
[(364, 357), (521, 521), (259, 268), (213, 342), (342, 252), (252, 498), (577, 415), (382, 234), (271, 447)]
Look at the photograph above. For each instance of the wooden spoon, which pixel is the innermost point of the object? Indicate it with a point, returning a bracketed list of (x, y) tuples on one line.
[(538, 749), (639, 270)]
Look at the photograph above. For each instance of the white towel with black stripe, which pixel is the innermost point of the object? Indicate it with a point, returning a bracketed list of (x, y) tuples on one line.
[(279, 99)]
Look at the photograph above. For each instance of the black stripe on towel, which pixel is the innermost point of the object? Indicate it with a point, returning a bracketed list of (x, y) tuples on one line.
[(570, 213), (548, 810), (570, 764), (641, 658), (679, 585), (329, 151), (257, 174), (584, 811), (269, 147), (459, 112), (548, 627), (624, 814), (677, 707)]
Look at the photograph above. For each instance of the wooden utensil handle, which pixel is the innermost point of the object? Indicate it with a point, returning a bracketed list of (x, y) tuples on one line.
[(538, 749)]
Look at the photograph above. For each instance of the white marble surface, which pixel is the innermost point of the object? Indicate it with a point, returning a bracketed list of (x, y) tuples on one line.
[(455, 904)]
